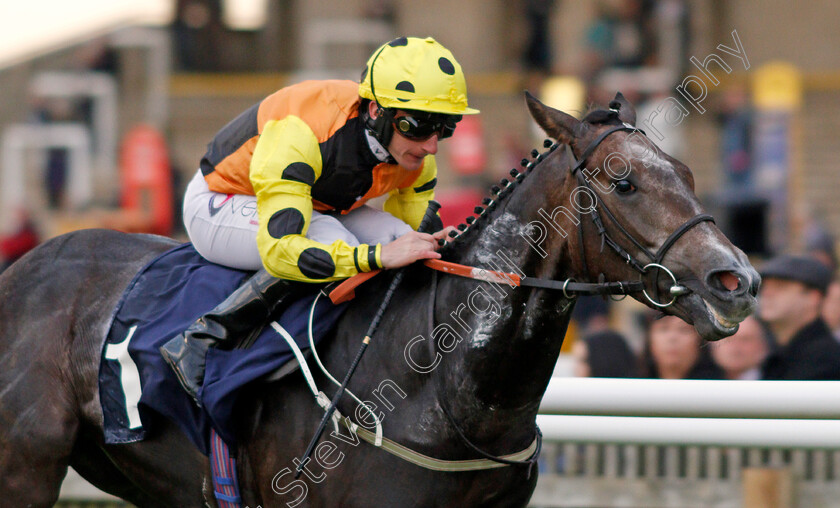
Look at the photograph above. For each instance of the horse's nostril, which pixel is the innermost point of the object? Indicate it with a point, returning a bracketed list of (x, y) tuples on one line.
[(729, 280)]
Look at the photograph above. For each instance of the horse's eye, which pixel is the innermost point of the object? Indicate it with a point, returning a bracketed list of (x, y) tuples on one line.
[(624, 187)]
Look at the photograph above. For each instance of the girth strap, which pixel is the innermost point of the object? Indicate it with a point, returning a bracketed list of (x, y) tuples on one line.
[(434, 464)]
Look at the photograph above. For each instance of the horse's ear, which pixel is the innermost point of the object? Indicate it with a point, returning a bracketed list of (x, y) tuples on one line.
[(626, 111), (556, 124)]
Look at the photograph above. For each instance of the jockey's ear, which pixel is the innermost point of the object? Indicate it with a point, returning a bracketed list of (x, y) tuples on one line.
[(555, 123), (626, 111)]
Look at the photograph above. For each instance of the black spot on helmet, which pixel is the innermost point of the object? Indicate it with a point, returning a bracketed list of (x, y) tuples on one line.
[(405, 86), (446, 66)]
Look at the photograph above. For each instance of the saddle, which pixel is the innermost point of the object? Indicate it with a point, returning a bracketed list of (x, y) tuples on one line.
[(136, 386)]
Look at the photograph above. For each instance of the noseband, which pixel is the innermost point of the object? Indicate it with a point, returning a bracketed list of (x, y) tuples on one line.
[(656, 259)]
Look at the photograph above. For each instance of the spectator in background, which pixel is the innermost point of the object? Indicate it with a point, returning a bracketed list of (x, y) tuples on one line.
[(790, 302), (740, 356), (619, 37), (591, 315), (537, 56), (812, 234), (197, 29), (831, 308), (735, 121), (819, 243), (672, 351), (604, 354), (50, 111), (100, 56)]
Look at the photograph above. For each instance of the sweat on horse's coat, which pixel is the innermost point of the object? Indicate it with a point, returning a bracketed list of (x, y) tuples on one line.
[(164, 298)]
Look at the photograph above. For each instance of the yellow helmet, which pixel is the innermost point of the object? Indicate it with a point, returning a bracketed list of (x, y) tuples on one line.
[(418, 74)]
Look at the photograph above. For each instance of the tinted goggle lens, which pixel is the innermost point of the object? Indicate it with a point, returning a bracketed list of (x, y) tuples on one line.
[(421, 129)]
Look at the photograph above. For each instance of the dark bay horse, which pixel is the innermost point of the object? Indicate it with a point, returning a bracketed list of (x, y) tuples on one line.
[(454, 359)]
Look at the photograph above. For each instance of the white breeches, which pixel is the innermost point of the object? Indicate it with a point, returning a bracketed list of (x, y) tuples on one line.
[(223, 227)]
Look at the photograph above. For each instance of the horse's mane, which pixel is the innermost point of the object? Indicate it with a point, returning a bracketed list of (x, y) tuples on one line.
[(498, 196)]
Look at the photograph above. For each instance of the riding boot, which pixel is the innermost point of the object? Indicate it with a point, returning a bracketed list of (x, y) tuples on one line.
[(237, 320)]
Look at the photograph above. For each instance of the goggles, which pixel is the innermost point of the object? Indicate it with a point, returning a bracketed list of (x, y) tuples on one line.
[(420, 126)]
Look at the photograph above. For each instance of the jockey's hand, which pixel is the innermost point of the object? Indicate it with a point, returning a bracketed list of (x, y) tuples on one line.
[(409, 248)]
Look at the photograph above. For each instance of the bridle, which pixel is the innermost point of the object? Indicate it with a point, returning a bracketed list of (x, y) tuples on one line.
[(657, 258)]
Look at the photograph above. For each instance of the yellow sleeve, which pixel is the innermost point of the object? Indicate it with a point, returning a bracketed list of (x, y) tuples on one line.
[(409, 204), (285, 165)]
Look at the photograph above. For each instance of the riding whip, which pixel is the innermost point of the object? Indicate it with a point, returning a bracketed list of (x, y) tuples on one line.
[(425, 224)]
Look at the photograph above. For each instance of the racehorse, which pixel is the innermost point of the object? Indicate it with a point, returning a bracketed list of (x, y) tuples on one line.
[(455, 372)]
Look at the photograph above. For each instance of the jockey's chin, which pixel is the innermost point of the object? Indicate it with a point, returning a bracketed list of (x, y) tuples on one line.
[(410, 162), (409, 153)]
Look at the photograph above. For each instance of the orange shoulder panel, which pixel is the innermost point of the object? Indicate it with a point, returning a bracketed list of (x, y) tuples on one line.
[(323, 105)]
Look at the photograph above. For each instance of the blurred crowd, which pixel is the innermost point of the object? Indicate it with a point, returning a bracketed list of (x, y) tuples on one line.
[(793, 335)]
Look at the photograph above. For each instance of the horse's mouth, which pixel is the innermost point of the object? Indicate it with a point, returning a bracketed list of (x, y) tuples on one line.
[(723, 326), (710, 322)]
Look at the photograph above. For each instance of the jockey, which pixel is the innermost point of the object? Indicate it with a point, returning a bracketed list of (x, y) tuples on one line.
[(282, 188)]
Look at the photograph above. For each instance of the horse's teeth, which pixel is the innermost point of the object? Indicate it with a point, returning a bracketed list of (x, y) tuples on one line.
[(721, 320)]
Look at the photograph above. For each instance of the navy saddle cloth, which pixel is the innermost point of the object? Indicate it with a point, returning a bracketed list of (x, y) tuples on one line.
[(136, 386)]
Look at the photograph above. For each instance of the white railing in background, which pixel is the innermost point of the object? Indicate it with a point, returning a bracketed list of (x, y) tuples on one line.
[(656, 443), (693, 397)]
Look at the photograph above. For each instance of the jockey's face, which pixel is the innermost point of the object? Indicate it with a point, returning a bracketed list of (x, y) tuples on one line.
[(408, 153)]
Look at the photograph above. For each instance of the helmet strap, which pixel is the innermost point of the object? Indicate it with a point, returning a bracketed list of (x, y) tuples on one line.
[(380, 126)]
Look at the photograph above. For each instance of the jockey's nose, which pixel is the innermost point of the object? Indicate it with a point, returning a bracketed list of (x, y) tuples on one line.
[(431, 145)]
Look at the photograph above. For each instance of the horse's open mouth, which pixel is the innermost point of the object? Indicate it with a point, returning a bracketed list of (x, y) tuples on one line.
[(710, 323), (721, 326)]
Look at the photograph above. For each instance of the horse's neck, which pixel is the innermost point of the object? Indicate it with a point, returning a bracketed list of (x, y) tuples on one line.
[(511, 336)]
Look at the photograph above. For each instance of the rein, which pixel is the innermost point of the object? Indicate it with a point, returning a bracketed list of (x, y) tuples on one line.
[(569, 287)]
